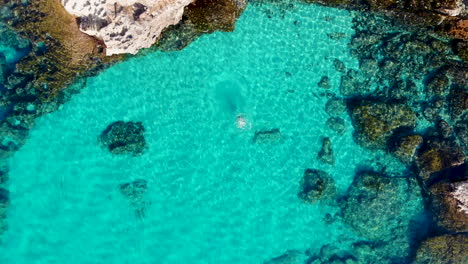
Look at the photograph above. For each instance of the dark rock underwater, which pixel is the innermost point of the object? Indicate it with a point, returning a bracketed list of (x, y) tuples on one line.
[(412, 73)]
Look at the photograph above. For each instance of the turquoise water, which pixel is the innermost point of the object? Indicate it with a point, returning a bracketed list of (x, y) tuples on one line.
[(216, 197)]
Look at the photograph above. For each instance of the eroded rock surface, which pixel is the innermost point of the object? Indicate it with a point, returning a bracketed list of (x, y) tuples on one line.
[(126, 26), (450, 205)]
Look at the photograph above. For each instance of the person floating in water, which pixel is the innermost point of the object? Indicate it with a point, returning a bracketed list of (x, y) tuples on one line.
[(242, 122)]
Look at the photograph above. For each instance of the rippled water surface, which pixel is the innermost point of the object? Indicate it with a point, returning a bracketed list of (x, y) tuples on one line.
[(215, 196)]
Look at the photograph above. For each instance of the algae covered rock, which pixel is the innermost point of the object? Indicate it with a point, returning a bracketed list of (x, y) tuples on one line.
[(436, 155), (458, 101), (209, 16), (375, 122), (316, 185), (325, 154), (406, 147), (289, 257), (339, 66), (331, 254), (4, 203), (324, 83), (439, 85), (378, 207), (443, 249), (353, 83), (267, 136), (335, 107), (336, 124), (461, 130), (124, 138)]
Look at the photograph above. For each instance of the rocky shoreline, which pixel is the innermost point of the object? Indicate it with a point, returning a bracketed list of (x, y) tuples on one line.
[(382, 99)]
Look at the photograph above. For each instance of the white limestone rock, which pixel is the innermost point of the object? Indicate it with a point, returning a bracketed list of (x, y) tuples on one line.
[(461, 195), (126, 26)]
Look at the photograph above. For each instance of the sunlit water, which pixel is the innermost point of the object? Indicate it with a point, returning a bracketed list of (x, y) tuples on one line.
[(216, 197)]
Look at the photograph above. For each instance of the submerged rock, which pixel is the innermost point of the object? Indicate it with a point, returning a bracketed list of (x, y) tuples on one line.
[(336, 124), (335, 107), (316, 185), (325, 154), (443, 250), (339, 66), (439, 85), (354, 84), (134, 192), (332, 254), (124, 138), (324, 82), (378, 207), (3, 176), (375, 122), (289, 257), (461, 130), (267, 136), (4, 202)]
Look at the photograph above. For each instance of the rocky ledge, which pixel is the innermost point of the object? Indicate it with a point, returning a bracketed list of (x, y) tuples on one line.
[(126, 26)]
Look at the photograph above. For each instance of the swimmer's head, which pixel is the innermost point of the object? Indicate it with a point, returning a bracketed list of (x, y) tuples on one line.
[(241, 122)]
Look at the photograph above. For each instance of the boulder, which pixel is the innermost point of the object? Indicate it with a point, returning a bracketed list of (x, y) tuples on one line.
[(316, 185), (124, 138), (436, 155), (375, 122), (449, 205), (445, 249), (325, 154), (339, 66), (335, 107), (324, 82), (336, 124)]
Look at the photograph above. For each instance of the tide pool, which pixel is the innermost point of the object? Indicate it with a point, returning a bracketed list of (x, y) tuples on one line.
[(216, 196)]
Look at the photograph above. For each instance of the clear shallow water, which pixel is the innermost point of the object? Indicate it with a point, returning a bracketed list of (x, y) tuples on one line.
[(215, 196)]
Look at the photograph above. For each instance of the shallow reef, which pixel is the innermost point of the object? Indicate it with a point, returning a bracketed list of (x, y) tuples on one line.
[(408, 97)]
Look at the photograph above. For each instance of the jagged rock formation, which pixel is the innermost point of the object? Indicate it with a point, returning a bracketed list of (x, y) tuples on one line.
[(126, 26)]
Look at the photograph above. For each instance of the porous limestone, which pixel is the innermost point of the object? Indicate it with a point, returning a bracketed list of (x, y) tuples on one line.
[(126, 26)]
